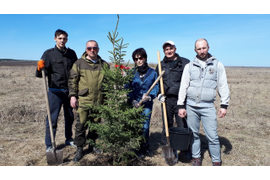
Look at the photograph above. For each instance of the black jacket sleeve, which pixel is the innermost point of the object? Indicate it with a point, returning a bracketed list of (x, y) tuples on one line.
[(47, 63)]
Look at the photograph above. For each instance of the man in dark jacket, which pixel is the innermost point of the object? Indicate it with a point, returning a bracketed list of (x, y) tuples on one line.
[(173, 65), (57, 62)]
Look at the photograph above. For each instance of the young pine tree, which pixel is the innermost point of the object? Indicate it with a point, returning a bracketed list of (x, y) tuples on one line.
[(121, 126)]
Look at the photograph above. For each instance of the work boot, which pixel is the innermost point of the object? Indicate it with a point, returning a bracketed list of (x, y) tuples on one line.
[(139, 154), (94, 149), (146, 151), (49, 149), (196, 162), (216, 163), (79, 154)]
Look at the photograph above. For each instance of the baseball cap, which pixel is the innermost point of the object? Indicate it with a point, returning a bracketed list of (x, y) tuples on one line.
[(168, 42)]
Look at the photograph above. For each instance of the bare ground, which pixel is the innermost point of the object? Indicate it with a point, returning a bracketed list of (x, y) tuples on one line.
[(244, 133)]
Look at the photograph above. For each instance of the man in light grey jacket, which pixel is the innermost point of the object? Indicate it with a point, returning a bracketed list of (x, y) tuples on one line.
[(200, 79)]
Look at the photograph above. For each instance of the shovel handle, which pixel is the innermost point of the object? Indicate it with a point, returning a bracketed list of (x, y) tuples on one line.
[(162, 92), (48, 106), (153, 85)]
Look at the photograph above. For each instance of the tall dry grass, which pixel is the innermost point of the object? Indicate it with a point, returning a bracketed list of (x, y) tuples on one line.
[(244, 132)]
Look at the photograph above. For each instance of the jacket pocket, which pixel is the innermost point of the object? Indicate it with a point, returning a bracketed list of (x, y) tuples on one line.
[(192, 92), (208, 94), (83, 92), (58, 70), (57, 63)]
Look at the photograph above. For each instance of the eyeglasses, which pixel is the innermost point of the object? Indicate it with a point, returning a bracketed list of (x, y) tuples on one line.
[(94, 48), (140, 58)]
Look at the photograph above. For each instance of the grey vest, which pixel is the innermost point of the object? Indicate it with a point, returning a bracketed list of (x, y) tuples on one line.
[(203, 83)]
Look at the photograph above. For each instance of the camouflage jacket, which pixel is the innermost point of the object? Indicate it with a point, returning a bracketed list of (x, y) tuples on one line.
[(85, 81)]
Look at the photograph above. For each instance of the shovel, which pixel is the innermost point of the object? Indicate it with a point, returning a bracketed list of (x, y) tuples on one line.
[(54, 157), (170, 156), (153, 85)]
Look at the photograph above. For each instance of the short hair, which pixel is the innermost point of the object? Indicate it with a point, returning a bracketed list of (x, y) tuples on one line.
[(201, 39), (139, 51), (58, 32), (92, 41)]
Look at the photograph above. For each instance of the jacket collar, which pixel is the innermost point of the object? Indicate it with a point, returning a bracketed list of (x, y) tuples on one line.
[(178, 58), (62, 51), (89, 61), (208, 61), (149, 71)]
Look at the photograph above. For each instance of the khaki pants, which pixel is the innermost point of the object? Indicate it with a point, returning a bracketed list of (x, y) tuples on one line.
[(82, 116)]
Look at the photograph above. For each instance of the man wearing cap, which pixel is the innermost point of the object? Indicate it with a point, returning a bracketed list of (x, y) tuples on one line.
[(173, 65)]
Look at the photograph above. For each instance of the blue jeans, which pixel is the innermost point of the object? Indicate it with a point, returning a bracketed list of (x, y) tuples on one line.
[(146, 124), (56, 100), (209, 121)]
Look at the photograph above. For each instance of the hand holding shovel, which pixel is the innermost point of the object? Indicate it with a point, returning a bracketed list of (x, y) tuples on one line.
[(153, 85)]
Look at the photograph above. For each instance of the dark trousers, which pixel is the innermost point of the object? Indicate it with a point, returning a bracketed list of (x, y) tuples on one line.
[(172, 113), (56, 100)]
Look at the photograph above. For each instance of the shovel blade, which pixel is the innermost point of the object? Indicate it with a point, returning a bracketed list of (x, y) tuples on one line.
[(54, 157), (170, 155)]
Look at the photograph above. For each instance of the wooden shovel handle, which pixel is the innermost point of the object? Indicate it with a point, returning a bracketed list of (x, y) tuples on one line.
[(153, 85), (162, 92), (48, 106)]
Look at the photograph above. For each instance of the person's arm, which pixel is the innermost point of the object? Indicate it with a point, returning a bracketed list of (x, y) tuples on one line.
[(46, 65), (73, 85), (183, 92), (184, 84), (223, 90)]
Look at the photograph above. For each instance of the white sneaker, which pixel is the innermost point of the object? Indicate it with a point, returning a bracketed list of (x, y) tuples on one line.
[(49, 149), (70, 142)]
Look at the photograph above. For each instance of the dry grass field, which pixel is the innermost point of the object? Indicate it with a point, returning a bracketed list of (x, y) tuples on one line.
[(244, 133)]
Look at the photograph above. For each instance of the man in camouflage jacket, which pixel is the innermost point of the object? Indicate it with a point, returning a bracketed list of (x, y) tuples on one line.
[(85, 88)]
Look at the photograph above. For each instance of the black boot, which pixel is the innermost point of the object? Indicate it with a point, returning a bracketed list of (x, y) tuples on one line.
[(93, 149), (79, 154)]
